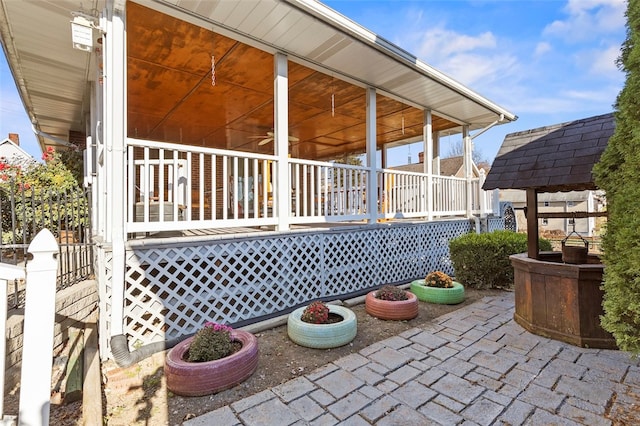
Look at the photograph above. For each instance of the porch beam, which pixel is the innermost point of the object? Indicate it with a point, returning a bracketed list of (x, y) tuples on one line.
[(282, 188), (428, 160), (372, 181)]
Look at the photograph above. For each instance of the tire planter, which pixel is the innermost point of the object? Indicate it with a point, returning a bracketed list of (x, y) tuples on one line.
[(396, 310), (442, 296), (204, 378), (323, 336)]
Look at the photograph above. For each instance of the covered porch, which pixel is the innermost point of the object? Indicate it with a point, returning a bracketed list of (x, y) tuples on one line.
[(277, 116), (224, 131)]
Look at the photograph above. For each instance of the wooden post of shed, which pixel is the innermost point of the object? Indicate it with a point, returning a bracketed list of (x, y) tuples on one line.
[(533, 248)]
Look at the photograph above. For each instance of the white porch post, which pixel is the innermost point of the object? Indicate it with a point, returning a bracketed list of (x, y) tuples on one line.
[(281, 139), (427, 134), (92, 152), (372, 181), (467, 145), (436, 154), (384, 153), (115, 147), (484, 208)]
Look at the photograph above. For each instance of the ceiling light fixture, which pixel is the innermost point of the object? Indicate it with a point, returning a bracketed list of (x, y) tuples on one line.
[(82, 27)]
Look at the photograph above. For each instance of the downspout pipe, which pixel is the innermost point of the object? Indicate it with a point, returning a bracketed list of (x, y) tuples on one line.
[(125, 358), (52, 138), (499, 120)]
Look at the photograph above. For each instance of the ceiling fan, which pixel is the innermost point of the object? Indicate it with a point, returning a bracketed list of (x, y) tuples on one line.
[(269, 137)]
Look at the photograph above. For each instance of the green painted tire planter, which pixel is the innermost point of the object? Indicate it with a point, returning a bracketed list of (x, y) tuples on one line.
[(442, 296), (396, 310), (323, 336)]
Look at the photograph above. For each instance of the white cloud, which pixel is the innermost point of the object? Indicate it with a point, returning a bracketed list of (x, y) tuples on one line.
[(473, 60), (600, 62), (588, 20), (480, 71), (542, 48), (441, 42)]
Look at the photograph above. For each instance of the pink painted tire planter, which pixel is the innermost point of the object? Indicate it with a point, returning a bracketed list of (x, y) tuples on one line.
[(204, 378), (397, 310)]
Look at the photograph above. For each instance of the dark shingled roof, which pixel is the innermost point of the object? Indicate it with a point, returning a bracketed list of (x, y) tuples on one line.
[(552, 158)]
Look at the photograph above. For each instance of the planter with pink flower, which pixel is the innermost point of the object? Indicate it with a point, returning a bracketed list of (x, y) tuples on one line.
[(216, 358), (438, 287), (322, 326)]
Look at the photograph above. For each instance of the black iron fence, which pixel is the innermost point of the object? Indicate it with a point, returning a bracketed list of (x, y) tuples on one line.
[(24, 212)]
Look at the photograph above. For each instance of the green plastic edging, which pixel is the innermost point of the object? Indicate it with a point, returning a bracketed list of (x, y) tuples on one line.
[(442, 296)]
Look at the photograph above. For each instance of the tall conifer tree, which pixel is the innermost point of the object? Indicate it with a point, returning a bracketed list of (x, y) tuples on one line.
[(618, 173)]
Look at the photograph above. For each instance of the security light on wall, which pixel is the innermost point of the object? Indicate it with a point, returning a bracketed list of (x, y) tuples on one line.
[(82, 31)]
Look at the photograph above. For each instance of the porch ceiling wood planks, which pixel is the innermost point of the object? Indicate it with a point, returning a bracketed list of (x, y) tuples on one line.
[(170, 94), (552, 158)]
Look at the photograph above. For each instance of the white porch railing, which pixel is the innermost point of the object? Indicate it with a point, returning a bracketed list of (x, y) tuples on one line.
[(39, 320), (326, 192), (401, 194), (177, 187)]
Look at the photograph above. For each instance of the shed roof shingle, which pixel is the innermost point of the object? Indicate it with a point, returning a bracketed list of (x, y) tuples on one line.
[(552, 158)]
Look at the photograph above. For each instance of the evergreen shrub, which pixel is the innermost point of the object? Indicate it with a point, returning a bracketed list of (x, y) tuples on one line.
[(618, 173), (482, 260)]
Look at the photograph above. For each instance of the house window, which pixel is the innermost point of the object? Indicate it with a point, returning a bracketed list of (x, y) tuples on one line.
[(546, 204), (545, 221), (571, 203)]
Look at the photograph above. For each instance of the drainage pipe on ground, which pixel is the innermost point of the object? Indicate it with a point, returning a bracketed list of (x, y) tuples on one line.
[(125, 358)]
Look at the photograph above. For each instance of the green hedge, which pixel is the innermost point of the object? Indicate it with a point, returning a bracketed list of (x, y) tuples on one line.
[(482, 260)]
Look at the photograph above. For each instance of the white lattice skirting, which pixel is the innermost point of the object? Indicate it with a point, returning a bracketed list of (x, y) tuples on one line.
[(171, 290)]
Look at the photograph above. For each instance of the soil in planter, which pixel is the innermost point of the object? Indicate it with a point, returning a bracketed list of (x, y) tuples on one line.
[(235, 347), (333, 318)]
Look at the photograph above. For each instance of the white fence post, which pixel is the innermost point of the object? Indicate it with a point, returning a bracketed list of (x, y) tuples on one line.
[(7, 272), (39, 320)]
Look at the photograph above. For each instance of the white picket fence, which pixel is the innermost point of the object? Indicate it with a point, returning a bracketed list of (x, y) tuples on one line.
[(39, 319)]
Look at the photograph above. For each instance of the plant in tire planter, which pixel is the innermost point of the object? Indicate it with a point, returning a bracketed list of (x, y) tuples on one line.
[(438, 287), (391, 303), (214, 359), (322, 326)]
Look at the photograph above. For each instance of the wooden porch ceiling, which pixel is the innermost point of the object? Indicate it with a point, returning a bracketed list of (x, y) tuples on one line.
[(171, 96)]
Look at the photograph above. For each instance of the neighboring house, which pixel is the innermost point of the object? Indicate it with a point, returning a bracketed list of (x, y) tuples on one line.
[(450, 166), (573, 201), (11, 151), (211, 130)]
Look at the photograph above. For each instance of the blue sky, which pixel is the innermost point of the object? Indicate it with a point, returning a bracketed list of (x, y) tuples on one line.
[(547, 61)]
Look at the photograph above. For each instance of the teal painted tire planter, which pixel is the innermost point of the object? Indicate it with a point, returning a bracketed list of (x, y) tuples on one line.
[(442, 296), (323, 336)]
